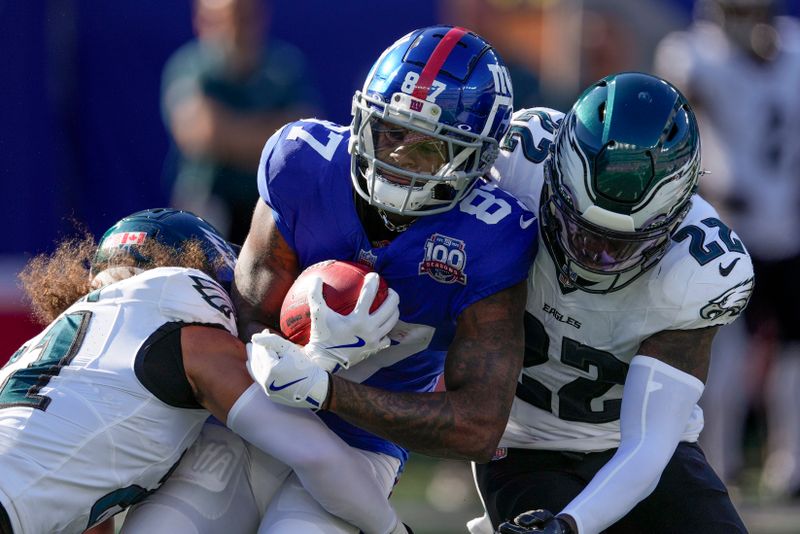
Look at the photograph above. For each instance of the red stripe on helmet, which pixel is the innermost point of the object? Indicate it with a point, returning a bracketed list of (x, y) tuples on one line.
[(435, 62)]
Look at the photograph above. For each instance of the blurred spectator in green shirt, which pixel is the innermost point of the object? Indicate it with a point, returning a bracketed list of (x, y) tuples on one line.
[(223, 95)]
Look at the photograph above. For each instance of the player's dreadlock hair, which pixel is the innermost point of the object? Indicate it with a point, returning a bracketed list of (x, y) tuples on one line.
[(53, 282)]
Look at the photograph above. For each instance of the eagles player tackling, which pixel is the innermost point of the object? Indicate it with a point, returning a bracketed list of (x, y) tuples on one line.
[(97, 410), (621, 311)]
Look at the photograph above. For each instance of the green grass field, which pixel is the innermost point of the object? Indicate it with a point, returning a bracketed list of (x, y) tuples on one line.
[(439, 497)]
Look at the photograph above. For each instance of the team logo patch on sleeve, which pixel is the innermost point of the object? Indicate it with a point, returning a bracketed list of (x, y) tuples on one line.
[(731, 303), (445, 259)]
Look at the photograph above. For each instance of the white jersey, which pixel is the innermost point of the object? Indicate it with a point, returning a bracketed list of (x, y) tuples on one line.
[(578, 345), (753, 112), (80, 436)]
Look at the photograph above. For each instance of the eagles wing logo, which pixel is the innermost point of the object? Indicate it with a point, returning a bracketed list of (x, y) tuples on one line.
[(732, 302), (213, 294)]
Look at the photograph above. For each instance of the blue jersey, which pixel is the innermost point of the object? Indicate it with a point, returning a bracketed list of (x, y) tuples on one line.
[(439, 266)]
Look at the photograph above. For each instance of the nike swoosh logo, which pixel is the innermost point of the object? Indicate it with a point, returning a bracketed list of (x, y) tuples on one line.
[(273, 387), (524, 224), (725, 271), (359, 343)]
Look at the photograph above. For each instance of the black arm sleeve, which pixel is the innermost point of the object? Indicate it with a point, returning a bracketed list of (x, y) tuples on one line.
[(159, 366)]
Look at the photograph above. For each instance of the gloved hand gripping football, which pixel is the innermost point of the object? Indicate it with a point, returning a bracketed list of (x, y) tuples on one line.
[(298, 376), (343, 340)]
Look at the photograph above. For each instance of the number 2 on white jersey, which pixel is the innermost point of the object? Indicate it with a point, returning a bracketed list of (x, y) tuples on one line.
[(54, 351)]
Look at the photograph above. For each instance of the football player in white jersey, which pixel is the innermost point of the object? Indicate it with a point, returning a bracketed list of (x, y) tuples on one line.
[(639, 273), (97, 409), (741, 55)]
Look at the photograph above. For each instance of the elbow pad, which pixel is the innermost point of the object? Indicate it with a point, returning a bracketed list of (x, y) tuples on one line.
[(657, 402)]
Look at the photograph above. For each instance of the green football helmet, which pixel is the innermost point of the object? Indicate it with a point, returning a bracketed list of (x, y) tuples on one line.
[(171, 228), (618, 181)]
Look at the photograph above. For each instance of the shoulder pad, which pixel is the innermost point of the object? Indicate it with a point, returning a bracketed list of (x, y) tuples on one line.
[(491, 204), (535, 117), (181, 294), (518, 168), (297, 152), (707, 274), (486, 213)]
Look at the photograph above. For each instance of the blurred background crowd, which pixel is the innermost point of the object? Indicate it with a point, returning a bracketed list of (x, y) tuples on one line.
[(111, 107)]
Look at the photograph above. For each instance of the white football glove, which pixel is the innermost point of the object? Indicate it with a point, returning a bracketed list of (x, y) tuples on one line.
[(343, 340), (285, 373)]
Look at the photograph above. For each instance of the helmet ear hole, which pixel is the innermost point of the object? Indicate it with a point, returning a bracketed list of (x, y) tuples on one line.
[(443, 192), (601, 113), (672, 132)]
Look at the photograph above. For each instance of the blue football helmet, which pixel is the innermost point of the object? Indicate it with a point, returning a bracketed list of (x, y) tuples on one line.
[(172, 228), (427, 123)]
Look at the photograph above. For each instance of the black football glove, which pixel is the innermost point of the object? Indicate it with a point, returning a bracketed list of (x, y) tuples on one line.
[(535, 521)]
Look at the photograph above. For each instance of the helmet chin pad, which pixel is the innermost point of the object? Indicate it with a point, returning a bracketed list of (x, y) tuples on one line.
[(396, 197)]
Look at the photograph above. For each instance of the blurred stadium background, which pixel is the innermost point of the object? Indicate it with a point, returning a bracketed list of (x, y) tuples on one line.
[(82, 140)]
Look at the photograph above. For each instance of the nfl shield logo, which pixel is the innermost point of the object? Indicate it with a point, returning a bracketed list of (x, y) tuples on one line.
[(367, 257)]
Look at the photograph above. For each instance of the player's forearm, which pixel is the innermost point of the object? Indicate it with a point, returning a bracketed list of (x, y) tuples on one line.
[(265, 271), (253, 310), (445, 425), (253, 324), (335, 475), (657, 401)]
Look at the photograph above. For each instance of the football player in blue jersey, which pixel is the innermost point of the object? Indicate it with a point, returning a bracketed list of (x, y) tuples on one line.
[(401, 189), (639, 273), (97, 409)]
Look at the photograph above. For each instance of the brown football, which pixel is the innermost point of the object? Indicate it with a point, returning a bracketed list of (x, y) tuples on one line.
[(342, 281)]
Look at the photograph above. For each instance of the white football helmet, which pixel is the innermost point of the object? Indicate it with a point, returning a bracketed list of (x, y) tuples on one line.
[(619, 180)]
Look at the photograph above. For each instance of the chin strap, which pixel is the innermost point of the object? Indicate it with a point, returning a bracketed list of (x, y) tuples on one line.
[(399, 228)]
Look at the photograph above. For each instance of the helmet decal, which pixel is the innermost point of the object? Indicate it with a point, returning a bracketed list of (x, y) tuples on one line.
[(427, 79)]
